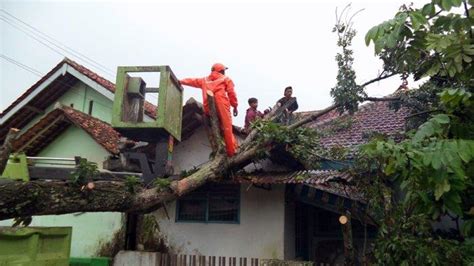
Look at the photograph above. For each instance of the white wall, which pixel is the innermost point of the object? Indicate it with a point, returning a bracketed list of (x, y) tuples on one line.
[(260, 233), (192, 152)]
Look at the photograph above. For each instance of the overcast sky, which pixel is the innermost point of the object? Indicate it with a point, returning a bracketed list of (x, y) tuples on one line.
[(267, 45)]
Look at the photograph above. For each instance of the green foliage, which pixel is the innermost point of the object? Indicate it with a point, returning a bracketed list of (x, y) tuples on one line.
[(132, 182), (427, 41), (347, 93), (434, 168), (300, 142), (408, 241), (161, 183), (411, 184), (84, 172)]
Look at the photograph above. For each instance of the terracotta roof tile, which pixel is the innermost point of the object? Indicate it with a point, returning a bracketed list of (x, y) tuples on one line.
[(99, 130), (351, 130)]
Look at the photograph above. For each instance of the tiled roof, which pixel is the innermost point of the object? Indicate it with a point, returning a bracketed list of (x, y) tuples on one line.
[(100, 131), (332, 181), (351, 130), (150, 109), (50, 126)]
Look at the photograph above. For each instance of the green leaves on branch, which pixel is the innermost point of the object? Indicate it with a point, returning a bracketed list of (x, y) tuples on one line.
[(347, 93), (435, 166), (84, 172), (301, 142), (427, 42)]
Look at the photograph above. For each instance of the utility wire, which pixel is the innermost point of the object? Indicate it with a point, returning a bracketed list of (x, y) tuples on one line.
[(36, 33), (27, 68), (39, 74)]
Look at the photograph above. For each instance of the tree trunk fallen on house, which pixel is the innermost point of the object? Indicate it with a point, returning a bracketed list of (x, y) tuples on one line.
[(43, 197)]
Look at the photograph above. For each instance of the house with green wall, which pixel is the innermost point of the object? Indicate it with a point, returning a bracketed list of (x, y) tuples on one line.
[(67, 114)]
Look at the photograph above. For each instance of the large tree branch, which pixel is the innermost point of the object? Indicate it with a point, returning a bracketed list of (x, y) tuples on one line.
[(19, 199)]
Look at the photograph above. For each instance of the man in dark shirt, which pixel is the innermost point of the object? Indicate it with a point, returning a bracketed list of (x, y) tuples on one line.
[(287, 116)]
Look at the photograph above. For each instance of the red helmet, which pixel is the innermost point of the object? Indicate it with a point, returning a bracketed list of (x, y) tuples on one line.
[(218, 67)]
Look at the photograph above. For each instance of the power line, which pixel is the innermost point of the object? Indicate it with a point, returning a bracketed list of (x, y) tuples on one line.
[(36, 33), (48, 36), (39, 74), (25, 67)]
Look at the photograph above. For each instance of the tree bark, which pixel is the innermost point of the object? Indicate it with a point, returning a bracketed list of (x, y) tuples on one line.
[(215, 129), (349, 254), (7, 147)]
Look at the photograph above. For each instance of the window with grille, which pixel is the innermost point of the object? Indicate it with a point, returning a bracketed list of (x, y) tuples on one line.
[(210, 203)]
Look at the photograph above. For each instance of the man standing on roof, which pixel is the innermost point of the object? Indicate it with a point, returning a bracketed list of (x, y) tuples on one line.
[(224, 95)]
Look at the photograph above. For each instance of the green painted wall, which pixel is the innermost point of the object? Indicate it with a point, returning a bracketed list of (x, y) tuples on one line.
[(90, 230), (75, 142), (80, 95)]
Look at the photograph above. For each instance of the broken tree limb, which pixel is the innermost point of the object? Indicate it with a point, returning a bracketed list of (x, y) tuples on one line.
[(7, 147), (214, 119)]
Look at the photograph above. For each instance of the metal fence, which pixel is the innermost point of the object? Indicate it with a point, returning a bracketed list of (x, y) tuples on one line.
[(162, 259)]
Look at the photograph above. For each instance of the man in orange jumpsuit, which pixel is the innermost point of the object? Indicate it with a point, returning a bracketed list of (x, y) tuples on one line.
[(224, 95)]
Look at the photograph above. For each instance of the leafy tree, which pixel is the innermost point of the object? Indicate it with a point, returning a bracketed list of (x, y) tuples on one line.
[(427, 177)]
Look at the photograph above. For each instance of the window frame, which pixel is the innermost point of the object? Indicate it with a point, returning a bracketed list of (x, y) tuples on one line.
[(206, 216)]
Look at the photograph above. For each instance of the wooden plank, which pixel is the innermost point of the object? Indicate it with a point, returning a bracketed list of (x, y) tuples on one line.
[(40, 133)]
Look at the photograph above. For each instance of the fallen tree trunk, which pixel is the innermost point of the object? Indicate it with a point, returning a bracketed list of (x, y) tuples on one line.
[(20, 199)]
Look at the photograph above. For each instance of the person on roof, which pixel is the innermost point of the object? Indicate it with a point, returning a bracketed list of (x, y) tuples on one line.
[(287, 116), (224, 95)]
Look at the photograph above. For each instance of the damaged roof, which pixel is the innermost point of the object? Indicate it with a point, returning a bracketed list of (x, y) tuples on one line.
[(331, 181)]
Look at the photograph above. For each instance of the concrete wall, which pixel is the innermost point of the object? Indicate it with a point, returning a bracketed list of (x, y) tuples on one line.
[(74, 141), (192, 152), (260, 233)]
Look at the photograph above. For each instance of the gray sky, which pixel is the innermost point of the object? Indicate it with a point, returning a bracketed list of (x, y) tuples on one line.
[(267, 45)]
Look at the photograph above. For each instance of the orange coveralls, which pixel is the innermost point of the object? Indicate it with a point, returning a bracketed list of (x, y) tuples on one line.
[(224, 95)]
